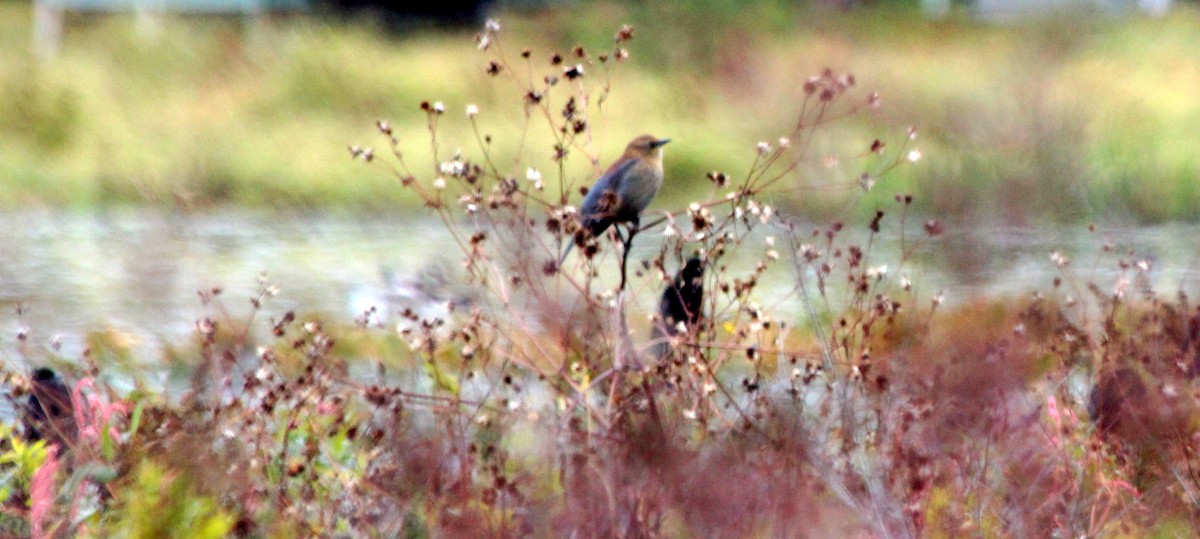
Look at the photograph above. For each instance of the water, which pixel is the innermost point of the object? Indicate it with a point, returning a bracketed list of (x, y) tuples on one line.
[(136, 273)]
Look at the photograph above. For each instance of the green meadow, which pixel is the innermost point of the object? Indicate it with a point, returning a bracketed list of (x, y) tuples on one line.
[(1061, 119)]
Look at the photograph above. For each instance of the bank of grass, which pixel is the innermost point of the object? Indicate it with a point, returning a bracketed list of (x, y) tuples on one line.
[(1061, 120)]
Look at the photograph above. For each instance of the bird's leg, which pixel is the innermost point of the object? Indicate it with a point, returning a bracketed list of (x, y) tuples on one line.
[(626, 244)]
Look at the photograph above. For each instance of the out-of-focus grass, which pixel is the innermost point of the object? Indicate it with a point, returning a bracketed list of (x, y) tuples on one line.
[(1055, 120)]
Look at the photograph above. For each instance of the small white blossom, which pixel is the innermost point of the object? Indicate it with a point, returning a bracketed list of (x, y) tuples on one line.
[(914, 156), (1120, 287), (785, 142), (472, 110), (439, 107), (939, 298), (1059, 259), (492, 25), (877, 272), (533, 175), (452, 168), (439, 183), (905, 283), (770, 241), (866, 182), (764, 148)]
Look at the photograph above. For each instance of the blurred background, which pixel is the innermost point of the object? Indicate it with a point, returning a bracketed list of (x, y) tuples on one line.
[(152, 149)]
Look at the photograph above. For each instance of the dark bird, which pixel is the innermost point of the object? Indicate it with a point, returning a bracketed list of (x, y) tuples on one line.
[(680, 305), (48, 414), (623, 192)]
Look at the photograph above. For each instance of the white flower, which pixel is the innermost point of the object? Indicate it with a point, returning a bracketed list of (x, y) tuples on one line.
[(866, 182), (439, 107), (452, 168), (905, 283), (1120, 287), (914, 156), (492, 25), (939, 298), (439, 183), (877, 272), (533, 175), (472, 110), (785, 142), (770, 241), (1059, 259), (764, 148)]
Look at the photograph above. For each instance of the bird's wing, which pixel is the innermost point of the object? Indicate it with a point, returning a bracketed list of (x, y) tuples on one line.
[(610, 181)]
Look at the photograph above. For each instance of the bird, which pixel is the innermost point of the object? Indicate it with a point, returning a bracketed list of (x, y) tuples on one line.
[(48, 413), (623, 191), (681, 303)]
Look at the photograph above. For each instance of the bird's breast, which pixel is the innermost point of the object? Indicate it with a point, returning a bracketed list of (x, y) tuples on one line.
[(646, 179)]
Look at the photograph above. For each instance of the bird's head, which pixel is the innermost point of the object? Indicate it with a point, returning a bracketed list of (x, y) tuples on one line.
[(692, 271), (646, 146)]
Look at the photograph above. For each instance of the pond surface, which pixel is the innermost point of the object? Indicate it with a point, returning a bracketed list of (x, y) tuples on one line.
[(136, 273)]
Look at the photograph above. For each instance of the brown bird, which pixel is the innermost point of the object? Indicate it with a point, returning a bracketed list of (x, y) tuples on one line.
[(624, 191)]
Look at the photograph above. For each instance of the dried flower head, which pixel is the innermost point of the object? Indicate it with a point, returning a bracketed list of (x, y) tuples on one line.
[(624, 34)]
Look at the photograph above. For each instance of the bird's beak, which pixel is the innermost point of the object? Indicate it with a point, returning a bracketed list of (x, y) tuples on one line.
[(661, 142)]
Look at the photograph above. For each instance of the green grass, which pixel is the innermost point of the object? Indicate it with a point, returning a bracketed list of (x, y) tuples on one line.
[(1055, 120)]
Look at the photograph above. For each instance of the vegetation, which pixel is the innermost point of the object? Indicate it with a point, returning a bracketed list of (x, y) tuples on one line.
[(1054, 120), (534, 409)]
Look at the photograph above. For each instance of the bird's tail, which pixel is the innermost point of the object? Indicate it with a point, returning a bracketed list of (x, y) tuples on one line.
[(567, 251)]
